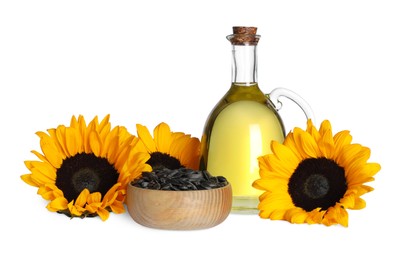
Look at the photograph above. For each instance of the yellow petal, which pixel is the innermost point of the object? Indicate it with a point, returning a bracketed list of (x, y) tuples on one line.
[(28, 180), (276, 185), (347, 154), (75, 210), (348, 201), (326, 144), (93, 207), (122, 158), (145, 136), (42, 177), (95, 197), (306, 144), (43, 167), (342, 138), (110, 195), (368, 170), (50, 151), (311, 129), (296, 215), (57, 204), (82, 198), (50, 192), (336, 215), (104, 125), (259, 184), (162, 137), (285, 155), (343, 217), (94, 123), (361, 175), (364, 189), (105, 131), (277, 214), (117, 207), (61, 140), (190, 154), (275, 201), (359, 204), (279, 169), (74, 122), (60, 146), (315, 216), (85, 131), (73, 141), (125, 137), (325, 128), (110, 149), (103, 214), (40, 156), (95, 143), (289, 142)]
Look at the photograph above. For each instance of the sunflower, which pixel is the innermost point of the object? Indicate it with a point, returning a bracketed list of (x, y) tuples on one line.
[(314, 177), (168, 149), (84, 169)]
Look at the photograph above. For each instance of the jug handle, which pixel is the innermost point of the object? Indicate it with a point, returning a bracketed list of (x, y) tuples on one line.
[(277, 93)]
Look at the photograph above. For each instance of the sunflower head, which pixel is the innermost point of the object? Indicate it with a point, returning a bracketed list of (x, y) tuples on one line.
[(84, 170), (314, 176), (168, 149)]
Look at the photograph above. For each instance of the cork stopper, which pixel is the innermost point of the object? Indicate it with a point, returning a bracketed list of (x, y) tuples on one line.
[(243, 35)]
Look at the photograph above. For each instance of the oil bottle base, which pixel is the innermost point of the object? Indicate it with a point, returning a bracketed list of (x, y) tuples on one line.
[(245, 205)]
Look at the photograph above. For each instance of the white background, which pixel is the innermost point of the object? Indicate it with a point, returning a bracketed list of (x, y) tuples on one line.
[(152, 61)]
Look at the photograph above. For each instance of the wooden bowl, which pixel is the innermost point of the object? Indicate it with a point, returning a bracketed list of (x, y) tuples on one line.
[(179, 210)]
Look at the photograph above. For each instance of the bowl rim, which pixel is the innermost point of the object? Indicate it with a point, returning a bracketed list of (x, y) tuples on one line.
[(183, 191)]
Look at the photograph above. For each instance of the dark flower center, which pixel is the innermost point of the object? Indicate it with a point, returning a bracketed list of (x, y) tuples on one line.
[(85, 171), (317, 183), (160, 160)]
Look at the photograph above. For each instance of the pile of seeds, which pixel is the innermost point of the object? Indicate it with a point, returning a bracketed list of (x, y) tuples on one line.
[(179, 180)]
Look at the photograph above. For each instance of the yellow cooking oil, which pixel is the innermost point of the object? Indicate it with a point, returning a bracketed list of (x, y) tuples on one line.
[(238, 130)]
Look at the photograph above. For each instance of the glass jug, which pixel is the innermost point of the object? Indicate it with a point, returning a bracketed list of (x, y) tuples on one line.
[(243, 123)]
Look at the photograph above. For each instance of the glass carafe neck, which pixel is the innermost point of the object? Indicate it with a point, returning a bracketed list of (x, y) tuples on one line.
[(244, 56), (244, 65)]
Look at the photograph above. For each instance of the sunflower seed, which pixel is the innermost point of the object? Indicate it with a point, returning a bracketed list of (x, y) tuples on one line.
[(179, 179)]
